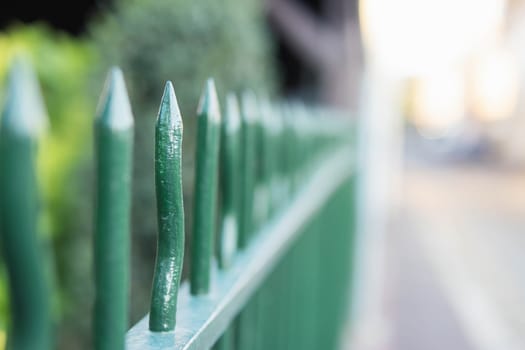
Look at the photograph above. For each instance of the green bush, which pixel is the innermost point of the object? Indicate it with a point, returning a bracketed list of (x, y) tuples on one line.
[(186, 42)]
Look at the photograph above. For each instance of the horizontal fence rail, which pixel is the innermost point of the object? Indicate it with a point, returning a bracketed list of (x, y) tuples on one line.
[(272, 231)]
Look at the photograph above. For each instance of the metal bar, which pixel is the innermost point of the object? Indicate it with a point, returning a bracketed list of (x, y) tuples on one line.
[(249, 156), (230, 206), (270, 155), (23, 120), (245, 327), (207, 158), (114, 144), (226, 341), (202, 319), (230, 162), (170, 213)]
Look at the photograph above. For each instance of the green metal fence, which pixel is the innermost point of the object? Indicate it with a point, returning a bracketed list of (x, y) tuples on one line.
[(272, 231)]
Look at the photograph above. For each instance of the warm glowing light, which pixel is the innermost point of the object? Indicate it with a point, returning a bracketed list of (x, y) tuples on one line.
[(411, 37), (438, 102), (494, 85)]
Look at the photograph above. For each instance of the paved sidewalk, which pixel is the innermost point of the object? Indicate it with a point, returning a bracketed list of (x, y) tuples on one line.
[(457, 260), (421, 316), (455, 263)]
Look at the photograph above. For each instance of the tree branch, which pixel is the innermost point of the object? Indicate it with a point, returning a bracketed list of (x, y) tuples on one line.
[(316, 43)]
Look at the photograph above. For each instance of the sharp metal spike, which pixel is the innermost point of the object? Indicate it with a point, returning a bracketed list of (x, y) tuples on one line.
[(24, 111), (114, 109)]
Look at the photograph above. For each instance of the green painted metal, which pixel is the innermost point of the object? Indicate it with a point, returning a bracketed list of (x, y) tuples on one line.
[(114, 144), (230, 162), (170, 213), (230, 181), (250, 127), (274, 123), (207, 157), (269, 152), (22, 122), (226, 341), (248, 167)]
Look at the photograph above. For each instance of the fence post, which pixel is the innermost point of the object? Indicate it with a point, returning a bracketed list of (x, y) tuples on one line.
[(231, 196), (114, 143), (248, 112), (230, 162), (269, 152), (208, 135), (170, 214), (24, 118)]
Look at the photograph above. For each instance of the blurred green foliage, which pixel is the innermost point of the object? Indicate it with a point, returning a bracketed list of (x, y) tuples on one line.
[(186, 42)]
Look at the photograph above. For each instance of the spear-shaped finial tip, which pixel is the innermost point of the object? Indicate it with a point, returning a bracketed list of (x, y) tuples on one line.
[(266, 113), (169, 111), (233, 115), (24, 112), (249, 106), (114, 109), (209, 102)]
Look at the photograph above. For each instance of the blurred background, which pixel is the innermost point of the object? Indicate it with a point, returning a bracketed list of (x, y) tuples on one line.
[(436, 88)]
